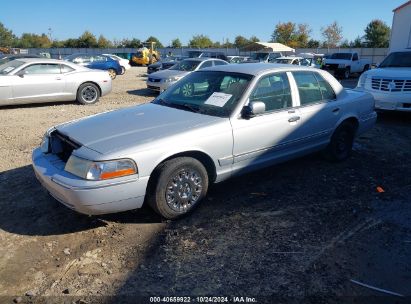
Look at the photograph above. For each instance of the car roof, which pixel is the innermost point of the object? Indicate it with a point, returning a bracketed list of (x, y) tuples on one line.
[(41, 60), (257, 68), (202, 59)]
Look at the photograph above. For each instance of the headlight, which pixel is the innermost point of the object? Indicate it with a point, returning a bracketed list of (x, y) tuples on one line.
[(172, 79), (341, 66), (100, 170), (362, 80)]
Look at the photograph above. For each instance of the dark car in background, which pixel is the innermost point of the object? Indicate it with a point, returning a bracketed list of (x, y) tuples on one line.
[(164, 64), (209, 54), (99, 62)]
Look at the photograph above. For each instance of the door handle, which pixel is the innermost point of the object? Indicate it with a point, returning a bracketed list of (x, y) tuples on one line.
[(294, 118), (58, 78), (336, 110)]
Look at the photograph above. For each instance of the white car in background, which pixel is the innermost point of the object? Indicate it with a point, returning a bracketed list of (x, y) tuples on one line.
[(124, 63), (390, 83), (294, 60), (38, 80)]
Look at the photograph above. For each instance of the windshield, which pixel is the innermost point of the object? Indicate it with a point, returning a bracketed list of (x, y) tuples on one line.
[(397, 60), (345, 56), (284, 61), (10, 66), (194, 54), (186, 65), (259, 56), (206, 92)]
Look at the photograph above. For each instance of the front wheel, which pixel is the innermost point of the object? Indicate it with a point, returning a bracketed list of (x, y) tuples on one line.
[(178, 186), (340, 146), (112, 73), (88, 93)]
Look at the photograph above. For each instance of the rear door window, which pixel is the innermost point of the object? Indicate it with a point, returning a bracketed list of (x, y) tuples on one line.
[(312, 88)]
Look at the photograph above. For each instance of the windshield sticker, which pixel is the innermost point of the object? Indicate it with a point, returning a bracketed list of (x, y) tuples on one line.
[(218, 99)]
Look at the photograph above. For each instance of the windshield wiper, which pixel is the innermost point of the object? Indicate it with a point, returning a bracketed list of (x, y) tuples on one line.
[(186, 106)]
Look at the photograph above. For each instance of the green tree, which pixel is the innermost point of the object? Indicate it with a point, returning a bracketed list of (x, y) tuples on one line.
[(29, 40), (240, 41), (227, 44), (154, 39), (87, 40), (357, 43), (284, 33), (200, 41), (302, 35), (7, 38), (70, 43), (217, 44), (345, 44), (332, 34), (254, 39), (103, 42), (313, 44), (176, 43), (291, 34), (377, 34)]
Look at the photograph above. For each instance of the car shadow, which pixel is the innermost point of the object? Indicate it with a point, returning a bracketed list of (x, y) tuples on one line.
[(37, 105), (27, 209), (143, 92)]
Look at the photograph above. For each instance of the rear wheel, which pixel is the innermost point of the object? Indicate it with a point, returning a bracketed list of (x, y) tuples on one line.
[(340, 146), (178, 185), (88, 93), (112, 73)]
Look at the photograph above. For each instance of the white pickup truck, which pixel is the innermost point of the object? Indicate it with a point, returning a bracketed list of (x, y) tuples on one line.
[(345, 64)]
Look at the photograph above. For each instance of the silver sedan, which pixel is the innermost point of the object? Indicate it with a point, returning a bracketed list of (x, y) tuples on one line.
[(33, 80), (234, 119)]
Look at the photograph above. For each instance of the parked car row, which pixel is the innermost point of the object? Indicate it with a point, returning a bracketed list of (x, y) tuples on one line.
[(202, 126)]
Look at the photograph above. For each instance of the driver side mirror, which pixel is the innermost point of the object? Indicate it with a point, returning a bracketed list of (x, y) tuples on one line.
[(253, 109), (21, 73)]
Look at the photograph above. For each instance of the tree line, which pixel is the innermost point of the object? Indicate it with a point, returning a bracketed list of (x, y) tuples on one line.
[(376, 34)]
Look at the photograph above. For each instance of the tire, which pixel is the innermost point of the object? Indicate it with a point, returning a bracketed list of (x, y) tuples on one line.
[(123, 70), (112, 73), (177, 187), (347, 73), (88, 93), (340, 146)]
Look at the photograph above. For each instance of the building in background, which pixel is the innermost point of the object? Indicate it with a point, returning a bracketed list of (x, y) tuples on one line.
[(401, 28)]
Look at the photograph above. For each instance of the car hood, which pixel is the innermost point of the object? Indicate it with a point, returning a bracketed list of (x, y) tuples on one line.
[(391, 72), (169, 73), (121, 129)]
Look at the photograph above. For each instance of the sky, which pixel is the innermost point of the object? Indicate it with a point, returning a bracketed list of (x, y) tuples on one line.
[(167, 20)]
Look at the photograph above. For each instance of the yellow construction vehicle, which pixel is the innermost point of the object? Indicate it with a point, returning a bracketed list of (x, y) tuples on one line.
[(146, 55)]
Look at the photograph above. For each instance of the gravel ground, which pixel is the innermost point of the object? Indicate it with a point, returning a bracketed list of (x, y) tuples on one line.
[(299, 230)]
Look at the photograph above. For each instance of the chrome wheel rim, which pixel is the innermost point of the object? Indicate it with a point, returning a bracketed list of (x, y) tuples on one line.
[(112, 74), (89, 93), (184, 190), (188, 89)]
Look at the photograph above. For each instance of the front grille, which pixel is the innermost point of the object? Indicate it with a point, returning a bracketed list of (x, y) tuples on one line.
[(390, 84), (62, 146), (331, 67), (153, 79)]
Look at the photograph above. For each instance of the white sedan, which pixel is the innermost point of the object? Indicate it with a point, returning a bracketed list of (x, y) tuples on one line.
[(212, 124), (124, 63), (37, 80)]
